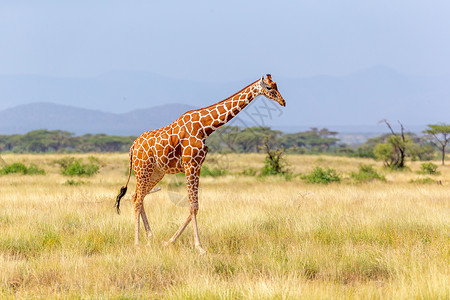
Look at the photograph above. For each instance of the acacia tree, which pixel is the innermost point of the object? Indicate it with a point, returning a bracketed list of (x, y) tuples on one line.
[(394, 151), (439, 135)]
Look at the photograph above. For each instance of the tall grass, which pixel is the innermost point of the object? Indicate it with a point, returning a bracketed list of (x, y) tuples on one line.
[(266, 237)]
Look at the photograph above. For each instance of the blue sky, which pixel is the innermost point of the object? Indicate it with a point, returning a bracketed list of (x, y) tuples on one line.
[(223, 41)]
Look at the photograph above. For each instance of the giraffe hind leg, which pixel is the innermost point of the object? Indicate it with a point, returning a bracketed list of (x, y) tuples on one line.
[(179, 231), (146, 225), (139, 204), (137, 213)]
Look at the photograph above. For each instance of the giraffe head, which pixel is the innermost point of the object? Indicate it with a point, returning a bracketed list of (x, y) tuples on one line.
[(270, 90)]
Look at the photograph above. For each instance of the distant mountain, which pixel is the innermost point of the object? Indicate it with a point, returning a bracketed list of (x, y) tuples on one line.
[(117, 92), (358, 99), (365, 97), (24, 118)]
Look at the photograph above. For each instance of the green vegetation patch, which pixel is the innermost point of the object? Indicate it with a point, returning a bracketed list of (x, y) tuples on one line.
[(426, 180), (249, 172), (20, 168), (366, 173), (213, 172), (429, 168), (322, 176), (73, 167), (74, 182)]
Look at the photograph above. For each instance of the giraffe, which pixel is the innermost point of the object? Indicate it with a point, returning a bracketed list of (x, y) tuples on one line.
[(181, 147)]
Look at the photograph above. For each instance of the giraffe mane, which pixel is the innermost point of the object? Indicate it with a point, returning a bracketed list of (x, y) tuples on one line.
[(212, 105)]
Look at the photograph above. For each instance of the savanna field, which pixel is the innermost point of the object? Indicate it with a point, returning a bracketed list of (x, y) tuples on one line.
[(266, 237)]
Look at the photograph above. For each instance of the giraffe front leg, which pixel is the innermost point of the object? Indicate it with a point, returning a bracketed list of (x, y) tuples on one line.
[(192, 181), (198, 245)]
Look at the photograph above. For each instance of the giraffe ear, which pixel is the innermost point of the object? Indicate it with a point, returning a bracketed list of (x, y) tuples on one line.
[(263, 83)]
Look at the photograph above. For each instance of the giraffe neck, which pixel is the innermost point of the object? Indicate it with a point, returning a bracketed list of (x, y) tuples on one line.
[(214, 116)]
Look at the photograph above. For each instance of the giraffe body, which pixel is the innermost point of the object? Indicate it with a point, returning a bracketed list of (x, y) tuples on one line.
[(181, 147)]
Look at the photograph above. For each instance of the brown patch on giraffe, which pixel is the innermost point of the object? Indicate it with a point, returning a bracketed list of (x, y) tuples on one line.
[(214, 114)]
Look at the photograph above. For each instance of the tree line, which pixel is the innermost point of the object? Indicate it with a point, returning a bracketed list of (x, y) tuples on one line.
[(57, 141), (392, 148)]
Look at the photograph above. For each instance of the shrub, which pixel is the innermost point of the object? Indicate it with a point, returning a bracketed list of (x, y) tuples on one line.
[(272, 167), (394, 151), (322, 176), (21, 169), (33, 169), (72, 167), (429, 168), (249, 172), (65, 162), (73, 182), (79, 169), (426, 180), (96, 161), (274, 163), (366, 173), (213, 172)]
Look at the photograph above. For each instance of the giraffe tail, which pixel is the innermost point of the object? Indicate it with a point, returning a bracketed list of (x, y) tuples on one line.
[(123, 189)]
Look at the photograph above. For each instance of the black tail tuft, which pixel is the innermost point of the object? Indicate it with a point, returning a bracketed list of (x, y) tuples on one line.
[(123, 191)]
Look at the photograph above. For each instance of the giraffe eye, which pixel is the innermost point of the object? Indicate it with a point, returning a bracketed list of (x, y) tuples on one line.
[(268, 87)]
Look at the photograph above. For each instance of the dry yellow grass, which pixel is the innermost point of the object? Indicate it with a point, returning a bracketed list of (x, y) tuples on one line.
[(266, 237)]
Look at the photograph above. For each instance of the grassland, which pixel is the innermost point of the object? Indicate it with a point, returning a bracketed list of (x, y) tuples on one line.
[(266, 237)]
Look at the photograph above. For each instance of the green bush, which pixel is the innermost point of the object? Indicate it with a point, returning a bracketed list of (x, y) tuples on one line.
[(21, 169), (249, 172), (65, 162), (73, 182), (322, 176), (366, 173), (213, 172), (429, 168), (72, 167), (426, 180)]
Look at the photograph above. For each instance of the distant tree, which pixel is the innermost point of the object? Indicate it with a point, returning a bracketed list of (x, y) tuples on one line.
[(274, 163), (439, 135), (421, 148), (61, 141), (224, 139), (251, 138), (314, 140), (394, 151), (367, 149)]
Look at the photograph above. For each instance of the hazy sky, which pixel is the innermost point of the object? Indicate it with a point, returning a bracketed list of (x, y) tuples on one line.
[(224, 40)]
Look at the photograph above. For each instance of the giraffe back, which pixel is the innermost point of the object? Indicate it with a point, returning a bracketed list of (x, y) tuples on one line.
[(170, 147)]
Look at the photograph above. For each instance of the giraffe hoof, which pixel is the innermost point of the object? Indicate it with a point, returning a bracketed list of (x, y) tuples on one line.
[(201, 251), (150, 240), (166, 244)]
